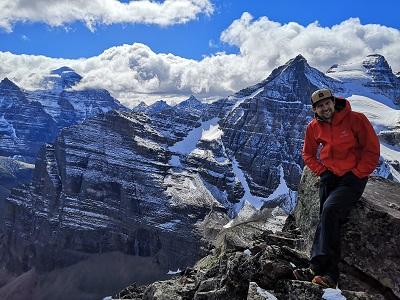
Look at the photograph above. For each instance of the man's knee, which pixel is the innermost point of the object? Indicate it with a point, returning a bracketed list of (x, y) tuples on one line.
[(330, 210)]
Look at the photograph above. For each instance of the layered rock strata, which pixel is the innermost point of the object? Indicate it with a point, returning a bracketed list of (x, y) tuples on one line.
[(102, 187)]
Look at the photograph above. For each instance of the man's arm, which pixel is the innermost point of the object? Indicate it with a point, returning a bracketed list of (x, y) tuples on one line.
[(370, 148), (310, 149)]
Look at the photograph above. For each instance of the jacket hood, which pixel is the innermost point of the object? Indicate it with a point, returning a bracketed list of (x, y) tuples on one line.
[(342, 108)]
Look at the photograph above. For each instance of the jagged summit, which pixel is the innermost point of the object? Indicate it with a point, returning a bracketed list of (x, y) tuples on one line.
[(61, 78), (62, 70), (372, 72), (294, 68), (191, 102), (9, 93), (7, 84), (154, 108), (376, 62), (296, 73), (299, 59), (371, 64), (289, 71)]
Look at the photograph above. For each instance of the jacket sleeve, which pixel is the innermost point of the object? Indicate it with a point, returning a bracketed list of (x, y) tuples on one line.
[(310, 149), (369, 147)]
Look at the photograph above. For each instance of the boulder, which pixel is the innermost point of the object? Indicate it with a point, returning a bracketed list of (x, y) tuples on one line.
[(370, 238)]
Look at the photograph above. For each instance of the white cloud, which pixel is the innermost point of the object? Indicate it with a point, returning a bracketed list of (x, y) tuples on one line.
[(93, 12), (269, 43), (134, 72)]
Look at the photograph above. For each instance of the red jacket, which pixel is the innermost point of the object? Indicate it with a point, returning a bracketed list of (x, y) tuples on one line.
[(349, 143)]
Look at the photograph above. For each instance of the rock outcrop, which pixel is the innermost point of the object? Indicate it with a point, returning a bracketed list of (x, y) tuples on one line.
[(370, 237), (12, 173), (251, 262)]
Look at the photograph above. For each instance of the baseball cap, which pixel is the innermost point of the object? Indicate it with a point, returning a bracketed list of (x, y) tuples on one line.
[(320, 95)]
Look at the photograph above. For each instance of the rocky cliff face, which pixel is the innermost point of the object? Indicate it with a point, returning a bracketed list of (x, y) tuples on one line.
[(24, 125), (251, 262), (12, 173), (28, 119), (105, 186), (266, 130), (370, 238)]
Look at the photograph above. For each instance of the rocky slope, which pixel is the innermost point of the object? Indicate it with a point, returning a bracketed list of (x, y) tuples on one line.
[(12, 173), (251, 262), (105, 186), (24, 125), (28, 119)]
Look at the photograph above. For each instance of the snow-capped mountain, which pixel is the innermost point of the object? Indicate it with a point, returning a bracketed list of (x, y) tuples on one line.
[(146, 183), (24, 124), (28, 119), (61, 79), (371, 77), (373, 89), (154, 108)]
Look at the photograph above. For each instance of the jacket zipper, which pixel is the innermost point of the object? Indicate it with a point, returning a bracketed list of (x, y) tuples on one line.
[(331, 133)]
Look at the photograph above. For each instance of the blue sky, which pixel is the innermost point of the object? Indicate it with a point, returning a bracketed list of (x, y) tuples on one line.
[(193, 39), (147, 50)]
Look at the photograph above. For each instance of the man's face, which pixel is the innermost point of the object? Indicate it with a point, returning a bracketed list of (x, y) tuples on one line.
[(325, 109)]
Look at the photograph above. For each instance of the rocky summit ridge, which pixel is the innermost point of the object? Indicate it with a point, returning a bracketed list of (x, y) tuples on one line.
[(251, 262)]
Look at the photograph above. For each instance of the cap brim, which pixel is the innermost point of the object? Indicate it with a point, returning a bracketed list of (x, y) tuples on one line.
[(333, 98)]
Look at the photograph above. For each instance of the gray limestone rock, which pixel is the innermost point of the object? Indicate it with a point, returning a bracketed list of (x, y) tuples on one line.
[(102, 187), (371, 236)]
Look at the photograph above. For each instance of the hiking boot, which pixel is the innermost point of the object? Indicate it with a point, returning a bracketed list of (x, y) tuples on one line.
[(305, 274), (325, 281)]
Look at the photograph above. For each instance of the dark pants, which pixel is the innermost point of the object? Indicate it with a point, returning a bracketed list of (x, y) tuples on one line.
[(338, 195)]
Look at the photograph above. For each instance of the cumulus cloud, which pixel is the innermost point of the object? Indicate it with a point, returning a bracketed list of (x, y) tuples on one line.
[(268, 43), (134, 73), (93, 12)]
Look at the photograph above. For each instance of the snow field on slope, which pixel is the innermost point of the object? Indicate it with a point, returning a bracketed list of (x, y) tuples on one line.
[(382, 118)]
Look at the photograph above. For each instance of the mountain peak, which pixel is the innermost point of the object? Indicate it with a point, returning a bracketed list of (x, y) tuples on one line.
[(191, 102), (376, 62), (192, 98), (62, 70), (62, 78), (7, 84), (297, 59), (294, 67)]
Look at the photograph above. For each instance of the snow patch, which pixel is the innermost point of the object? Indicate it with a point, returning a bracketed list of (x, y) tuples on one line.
[(169, 225), (247, 252), (245, 98), (188, 144), (174, 272), (381, 115), (333, 294), (213, 133), (265, 294), (257, 202)]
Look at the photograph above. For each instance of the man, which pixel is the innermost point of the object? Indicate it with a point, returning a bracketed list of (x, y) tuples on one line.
[(349, 153)]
